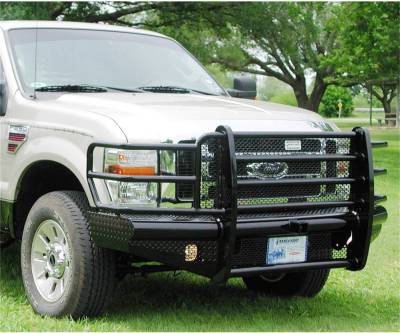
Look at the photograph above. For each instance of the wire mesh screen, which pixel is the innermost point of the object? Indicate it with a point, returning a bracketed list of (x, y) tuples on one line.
[(185, 167), (253, 251), (211, 170), (296, 169), (278, 146)]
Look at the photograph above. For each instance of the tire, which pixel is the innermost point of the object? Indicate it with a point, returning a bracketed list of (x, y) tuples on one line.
[(5, 242), (303, 284), (73, 277)]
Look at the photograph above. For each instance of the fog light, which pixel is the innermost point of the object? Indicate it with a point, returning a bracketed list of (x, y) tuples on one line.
[(190, 252)]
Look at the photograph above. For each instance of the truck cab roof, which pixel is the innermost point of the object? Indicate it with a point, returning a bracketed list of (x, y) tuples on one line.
[(26, 24)]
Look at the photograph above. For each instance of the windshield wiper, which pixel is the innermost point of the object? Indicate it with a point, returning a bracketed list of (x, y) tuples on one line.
[(79, 88), (137, 90), (83, 88), (72, 88), (173, 89)]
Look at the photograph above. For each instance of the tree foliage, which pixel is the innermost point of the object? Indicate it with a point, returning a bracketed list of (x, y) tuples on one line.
[(335, 43), (368, 47), (332, 97), (368, 39), (286, 41)]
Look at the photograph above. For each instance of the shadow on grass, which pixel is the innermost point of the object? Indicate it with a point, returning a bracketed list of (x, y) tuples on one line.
[(183, 297)]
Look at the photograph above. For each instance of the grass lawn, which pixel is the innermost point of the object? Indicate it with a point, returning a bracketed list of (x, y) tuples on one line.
[(368, 300)]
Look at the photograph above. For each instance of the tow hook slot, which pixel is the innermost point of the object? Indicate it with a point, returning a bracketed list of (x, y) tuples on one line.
[(297, 226)]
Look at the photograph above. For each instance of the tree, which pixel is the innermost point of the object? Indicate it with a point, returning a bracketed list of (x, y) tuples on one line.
[(287, 41), (31, 10), (368, 53), (332, 97)]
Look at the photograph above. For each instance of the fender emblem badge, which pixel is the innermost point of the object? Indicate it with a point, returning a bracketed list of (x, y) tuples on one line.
[(17, 135)]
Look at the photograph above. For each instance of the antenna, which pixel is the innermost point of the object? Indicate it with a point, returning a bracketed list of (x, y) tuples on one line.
[(35, 56)]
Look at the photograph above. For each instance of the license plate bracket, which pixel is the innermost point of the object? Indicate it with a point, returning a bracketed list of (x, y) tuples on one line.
[(285, 250)]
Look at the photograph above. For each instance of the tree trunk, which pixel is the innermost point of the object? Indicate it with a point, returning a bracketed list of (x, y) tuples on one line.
[(317, 93), (301, 98), (312, 101), (300, 91), (388, 94), (386, 106)]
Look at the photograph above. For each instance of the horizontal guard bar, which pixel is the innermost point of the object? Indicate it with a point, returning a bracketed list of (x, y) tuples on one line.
[(380, 215), (380, 171), (160, 146), (286, 268), (276, 228), (160, 210), (337, 180), (380, 198), (259, 218), (295, 134), (288, 158), (295, 205), (379, 144), (147, 179), (174, 231)]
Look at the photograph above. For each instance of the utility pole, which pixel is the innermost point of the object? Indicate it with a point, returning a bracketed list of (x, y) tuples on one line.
[(370, 105), (398, 105)]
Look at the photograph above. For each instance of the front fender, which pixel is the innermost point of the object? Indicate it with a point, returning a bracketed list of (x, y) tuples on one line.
[(69, 152)]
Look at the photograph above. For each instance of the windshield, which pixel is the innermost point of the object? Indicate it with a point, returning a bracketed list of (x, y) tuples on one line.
[(68, 57)]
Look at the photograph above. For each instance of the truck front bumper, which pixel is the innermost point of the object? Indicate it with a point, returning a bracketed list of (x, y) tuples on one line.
[(230, 239)]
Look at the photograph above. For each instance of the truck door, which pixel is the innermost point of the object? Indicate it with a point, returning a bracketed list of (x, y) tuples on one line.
[(3, 105)]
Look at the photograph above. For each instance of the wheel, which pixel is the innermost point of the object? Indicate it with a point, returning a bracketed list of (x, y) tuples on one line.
[(64, 272), (305, 284)]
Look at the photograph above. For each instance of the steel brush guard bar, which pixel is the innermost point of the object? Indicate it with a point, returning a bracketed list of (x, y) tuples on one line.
[(227, 212)]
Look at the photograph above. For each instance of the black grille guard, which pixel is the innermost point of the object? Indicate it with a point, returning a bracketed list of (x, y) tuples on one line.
[(361, 208)]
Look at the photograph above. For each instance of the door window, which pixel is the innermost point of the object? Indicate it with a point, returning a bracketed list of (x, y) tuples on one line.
[(2, 91), (1, 72)]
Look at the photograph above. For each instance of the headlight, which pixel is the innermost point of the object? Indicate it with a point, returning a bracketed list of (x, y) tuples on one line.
[(131, 162), (134, 163)]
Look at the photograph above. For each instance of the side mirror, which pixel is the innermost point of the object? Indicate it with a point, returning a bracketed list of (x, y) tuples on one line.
[(244, 87), (3, 98)]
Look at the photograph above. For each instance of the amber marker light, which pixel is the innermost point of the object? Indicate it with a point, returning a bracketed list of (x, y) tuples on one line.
[(131, 171)]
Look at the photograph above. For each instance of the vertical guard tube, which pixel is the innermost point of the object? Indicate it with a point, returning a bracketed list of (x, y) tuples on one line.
[(364, 170), (230, 220)]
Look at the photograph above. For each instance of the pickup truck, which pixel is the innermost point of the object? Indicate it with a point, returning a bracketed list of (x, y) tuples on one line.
[(121, 154)]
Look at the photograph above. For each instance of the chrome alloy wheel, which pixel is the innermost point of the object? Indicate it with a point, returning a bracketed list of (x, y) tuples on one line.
[(50, 260)]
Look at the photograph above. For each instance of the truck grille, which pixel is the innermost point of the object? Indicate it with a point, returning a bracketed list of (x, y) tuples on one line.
[(277, 168)]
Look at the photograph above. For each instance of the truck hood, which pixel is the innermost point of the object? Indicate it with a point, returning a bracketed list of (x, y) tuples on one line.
[(150, 117)]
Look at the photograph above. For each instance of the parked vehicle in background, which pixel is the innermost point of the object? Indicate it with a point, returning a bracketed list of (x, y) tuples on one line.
[(121, 154)]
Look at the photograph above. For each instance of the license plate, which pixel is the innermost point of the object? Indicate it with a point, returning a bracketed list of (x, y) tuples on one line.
[(284, 250)]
